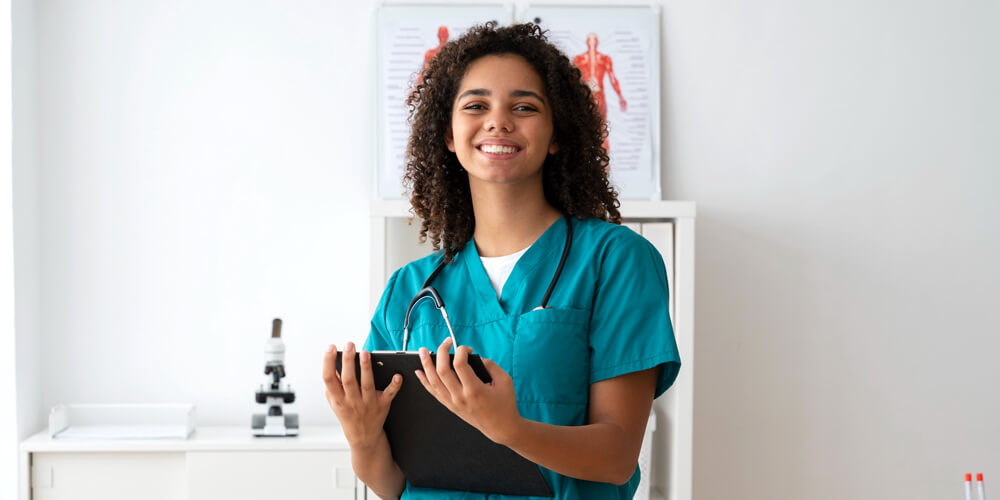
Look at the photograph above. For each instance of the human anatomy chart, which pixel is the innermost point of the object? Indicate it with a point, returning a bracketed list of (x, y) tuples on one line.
[(409, 37), (615, 48), (617, 52)]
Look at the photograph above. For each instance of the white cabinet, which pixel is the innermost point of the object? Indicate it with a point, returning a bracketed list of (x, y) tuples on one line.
[(303, 475), (668, 225), (214, 463), (107, 475)]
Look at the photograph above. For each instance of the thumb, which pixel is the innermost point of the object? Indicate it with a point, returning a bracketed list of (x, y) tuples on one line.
[(494, 370)]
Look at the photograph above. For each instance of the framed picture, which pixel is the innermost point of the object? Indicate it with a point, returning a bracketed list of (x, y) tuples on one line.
[(617, 50), (409, 36)]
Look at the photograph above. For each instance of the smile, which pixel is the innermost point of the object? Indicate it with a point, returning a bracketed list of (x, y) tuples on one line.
[(498, 149)]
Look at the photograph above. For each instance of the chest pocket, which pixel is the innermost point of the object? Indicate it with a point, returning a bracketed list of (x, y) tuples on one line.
[(551, 356)]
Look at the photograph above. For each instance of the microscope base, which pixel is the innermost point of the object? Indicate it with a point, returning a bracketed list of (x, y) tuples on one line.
[(276, 426)]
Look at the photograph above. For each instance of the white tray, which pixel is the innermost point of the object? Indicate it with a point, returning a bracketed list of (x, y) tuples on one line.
[(121, 421)]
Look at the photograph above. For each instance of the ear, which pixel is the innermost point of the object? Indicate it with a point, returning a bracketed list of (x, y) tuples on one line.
[(553, 148), (449, 139)]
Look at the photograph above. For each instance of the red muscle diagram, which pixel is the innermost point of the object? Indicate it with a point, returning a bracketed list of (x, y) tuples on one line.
[(432, 53), (593, 67)]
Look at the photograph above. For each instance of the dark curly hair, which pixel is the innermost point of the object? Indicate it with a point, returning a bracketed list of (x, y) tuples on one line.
[(575, 179)]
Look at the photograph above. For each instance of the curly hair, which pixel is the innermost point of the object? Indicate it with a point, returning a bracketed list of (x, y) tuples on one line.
[(575, 179)]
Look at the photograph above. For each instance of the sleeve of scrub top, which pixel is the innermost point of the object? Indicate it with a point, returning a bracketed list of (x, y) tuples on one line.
[(630, 327), (379, 338)]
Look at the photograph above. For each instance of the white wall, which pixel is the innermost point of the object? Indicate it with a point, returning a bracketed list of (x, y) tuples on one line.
[(203, 167), (8, 342), (26, 222), (844, 159)]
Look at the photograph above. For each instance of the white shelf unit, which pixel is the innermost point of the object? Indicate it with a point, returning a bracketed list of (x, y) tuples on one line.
[(669, 225)]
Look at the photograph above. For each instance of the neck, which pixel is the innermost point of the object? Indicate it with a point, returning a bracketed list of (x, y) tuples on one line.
[(509, 218)]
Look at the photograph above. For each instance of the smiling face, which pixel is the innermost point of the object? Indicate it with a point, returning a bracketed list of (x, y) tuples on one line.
[(501, 123)]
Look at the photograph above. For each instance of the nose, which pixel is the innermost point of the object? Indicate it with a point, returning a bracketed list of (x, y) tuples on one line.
[(498, 120)]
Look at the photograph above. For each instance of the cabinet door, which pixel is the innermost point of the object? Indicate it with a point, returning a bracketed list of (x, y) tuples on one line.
[(661, 235), (266, 475), (107, 476)]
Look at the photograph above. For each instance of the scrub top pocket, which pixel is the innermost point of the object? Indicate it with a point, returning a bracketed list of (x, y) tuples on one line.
[(551, 356)]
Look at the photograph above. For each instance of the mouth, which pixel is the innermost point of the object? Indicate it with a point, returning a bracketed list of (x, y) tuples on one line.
[(499, 150)]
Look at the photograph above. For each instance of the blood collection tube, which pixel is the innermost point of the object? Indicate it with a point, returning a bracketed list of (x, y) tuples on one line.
[(980, 489), (968, 486)]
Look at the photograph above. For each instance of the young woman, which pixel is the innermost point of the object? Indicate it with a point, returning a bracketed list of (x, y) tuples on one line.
[(509, 177)]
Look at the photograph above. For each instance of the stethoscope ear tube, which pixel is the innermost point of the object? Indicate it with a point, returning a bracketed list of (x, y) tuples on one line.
[(427, 292)]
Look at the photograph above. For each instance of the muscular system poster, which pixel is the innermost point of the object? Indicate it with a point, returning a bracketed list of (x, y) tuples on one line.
[(617, 52), (408, 37)]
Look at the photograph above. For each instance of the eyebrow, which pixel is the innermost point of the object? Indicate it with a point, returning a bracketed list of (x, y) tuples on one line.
[(513, 93)]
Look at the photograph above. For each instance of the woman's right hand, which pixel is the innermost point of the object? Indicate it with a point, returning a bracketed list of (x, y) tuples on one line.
[(360, 408)]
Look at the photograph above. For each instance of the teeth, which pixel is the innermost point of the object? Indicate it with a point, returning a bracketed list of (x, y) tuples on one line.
[(498, 149)]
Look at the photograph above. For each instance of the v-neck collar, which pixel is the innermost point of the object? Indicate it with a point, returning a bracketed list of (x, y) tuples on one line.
[(510, 296)]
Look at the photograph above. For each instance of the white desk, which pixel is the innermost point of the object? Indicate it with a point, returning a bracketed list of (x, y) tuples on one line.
[(213, 463)]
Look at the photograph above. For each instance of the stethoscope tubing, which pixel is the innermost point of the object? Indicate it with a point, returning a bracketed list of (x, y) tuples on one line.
[(429, 292)]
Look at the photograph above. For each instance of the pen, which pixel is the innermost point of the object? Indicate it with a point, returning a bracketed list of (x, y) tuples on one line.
[(968, 486), (979, 486)]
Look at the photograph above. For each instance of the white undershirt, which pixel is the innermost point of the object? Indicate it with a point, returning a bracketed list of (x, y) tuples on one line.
[(499, 268)]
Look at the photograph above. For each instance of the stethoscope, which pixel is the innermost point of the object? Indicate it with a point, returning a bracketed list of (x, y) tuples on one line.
[(428, 291)]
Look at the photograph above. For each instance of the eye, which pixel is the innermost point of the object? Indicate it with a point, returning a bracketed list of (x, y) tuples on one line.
[(525, 107), (474, 106)]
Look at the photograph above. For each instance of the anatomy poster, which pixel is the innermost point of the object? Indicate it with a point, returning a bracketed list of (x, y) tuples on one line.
[(408, 37), (617, 52)]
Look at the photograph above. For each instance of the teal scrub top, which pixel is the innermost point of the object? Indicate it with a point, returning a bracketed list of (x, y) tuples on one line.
[(607, 316)]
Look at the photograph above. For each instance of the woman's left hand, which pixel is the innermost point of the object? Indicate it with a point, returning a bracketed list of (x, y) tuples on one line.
[(489, 407)]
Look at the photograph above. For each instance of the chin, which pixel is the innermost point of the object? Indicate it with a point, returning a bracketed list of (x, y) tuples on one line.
[(504, 180)]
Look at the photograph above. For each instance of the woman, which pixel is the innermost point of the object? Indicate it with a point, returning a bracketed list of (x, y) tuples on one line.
[(506, 168)]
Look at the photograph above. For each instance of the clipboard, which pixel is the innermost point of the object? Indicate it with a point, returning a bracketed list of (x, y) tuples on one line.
[(434, 447)]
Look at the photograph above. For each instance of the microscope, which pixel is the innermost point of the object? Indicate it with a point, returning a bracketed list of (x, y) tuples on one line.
[(276, 423)]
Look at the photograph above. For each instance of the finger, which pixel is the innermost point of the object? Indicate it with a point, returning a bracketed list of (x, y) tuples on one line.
[(430, 377), (463, 369), (422, 377), (444, 371), (330, 378), (347, 375), (392, 389), (496, 373), (439, 392), (367, 380)]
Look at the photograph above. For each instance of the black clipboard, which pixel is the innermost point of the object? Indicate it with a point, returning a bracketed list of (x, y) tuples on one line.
[(436, 449)]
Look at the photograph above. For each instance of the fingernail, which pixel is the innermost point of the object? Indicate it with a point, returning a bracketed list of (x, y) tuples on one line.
[(397, 378), (364, 356), (423, 353), (350, 346), (330, 348), (447, 340)]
